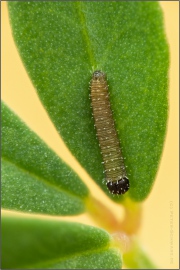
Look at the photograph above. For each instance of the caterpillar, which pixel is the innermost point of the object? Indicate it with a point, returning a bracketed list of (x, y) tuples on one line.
[(115, 171)]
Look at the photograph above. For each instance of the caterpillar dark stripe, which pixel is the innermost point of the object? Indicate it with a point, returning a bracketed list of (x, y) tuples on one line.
[(115, 171)]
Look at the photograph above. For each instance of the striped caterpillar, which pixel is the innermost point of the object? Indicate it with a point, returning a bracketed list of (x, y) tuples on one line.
[(115, 171)]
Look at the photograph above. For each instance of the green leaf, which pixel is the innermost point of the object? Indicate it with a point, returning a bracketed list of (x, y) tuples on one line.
[(33, 243), (61, 43), (34, 178)]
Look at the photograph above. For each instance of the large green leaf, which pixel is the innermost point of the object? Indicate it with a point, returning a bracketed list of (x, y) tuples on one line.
[(34, 178), (61, 43), (33, 243)]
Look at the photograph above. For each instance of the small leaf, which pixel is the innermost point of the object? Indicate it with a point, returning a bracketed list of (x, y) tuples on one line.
[(33, 243), (34, 179), (106, 259), (61, 43)]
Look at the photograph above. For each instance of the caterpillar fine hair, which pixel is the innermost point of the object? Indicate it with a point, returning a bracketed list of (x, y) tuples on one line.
[(115, 171)]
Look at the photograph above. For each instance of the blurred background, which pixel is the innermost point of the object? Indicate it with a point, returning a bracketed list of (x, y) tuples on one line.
[(159, 233)]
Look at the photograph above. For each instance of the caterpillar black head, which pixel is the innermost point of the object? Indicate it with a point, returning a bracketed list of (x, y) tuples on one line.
[(119, 187)]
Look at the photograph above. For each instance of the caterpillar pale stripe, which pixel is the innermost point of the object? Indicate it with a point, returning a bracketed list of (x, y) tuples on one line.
[(115, 171)]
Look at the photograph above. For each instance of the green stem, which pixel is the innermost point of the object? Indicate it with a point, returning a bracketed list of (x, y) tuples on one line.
[(106, 219), (132, 218), (123, 233), (101, 214), (136, 257)]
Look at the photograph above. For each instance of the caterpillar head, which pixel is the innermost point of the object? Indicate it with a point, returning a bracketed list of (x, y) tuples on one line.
[(119, 187)]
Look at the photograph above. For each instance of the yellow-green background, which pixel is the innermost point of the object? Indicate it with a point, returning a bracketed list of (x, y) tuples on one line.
[(19, 93)]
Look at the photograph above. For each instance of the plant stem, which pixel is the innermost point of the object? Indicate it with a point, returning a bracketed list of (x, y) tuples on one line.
[(132, 218), (136, 257), (106, 219)]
